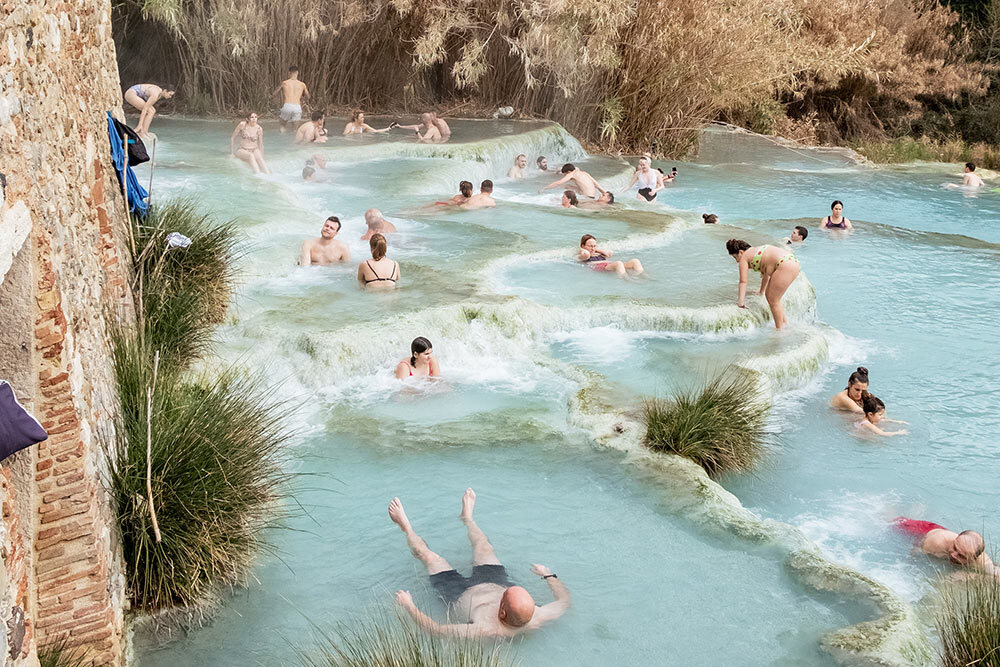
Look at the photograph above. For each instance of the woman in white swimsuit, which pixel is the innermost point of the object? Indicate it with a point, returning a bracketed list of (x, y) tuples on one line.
[(251, 148), (649, 180)]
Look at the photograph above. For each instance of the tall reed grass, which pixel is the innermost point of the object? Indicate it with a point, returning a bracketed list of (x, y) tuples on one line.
[(207, 450), (61, 654), (968, 623), (618, 74), (387, 640), (721, 426)]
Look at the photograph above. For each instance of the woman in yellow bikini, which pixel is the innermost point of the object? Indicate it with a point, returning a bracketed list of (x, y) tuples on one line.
[(777, 268)]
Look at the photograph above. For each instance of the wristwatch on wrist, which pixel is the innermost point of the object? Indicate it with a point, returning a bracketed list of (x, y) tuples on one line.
[(550, 575)]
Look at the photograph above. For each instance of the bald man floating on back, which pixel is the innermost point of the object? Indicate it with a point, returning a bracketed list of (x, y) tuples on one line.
[(966, 548), (493, 606)]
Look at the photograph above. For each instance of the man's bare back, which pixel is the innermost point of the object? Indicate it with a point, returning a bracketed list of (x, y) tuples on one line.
[(579, 180), (292, 91), (486, 601)]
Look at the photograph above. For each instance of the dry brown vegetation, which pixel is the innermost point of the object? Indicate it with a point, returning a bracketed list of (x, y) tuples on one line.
[(617, 73)]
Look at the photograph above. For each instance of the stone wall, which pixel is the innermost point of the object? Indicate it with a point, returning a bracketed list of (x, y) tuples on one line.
[(62, 224)]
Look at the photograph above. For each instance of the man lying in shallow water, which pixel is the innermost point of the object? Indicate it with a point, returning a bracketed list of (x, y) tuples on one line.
[(493, 606), (966, 548)]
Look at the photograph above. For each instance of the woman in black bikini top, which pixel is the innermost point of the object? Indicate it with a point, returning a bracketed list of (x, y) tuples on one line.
[(379, 272)]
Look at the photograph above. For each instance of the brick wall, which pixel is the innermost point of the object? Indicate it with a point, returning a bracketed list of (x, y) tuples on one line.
[(60, 274)]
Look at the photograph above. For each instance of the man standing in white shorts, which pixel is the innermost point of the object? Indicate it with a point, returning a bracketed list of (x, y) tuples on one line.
[(292, 91)]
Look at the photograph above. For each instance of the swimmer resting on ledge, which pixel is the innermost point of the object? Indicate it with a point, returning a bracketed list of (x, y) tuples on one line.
[(598, 259)]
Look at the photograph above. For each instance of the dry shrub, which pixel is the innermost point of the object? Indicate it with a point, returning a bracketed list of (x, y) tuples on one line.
[(617, 73)]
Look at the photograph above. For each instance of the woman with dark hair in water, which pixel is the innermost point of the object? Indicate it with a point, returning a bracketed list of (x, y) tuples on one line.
[(851, 398), (569, 199), (836, 219), (874, 410), (599, 260), (464, 194), (777, 268), (421, 363), (357, 124)]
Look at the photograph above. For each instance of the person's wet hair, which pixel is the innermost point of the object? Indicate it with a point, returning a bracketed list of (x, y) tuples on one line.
[(316, 115), (860, 375), (733, 246), (571, 196), (354, 116), (308, 172), (568, 167), (659, 169), (835, 202), (978, 539), (871, 404), (465, 187), (486, 186), (585, 238), (418, 346), (710, 219), (293, 69), (971, 166), (540, 160), (334, 218), (803, 232), (611, 197), (378, 246)]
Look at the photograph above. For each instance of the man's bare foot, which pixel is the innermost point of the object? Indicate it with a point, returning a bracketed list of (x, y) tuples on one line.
[(468, 503), (398, 516)]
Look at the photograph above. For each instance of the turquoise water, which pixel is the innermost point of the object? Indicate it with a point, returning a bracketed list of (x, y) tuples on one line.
[(545, 362)]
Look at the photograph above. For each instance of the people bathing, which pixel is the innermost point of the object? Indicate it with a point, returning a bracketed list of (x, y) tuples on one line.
[(379, 272), (486, 604), (710, 218), (357, 125), (836, 219), (464, 194), (851, 398), (650, 180), (970, 179), (292, 91), (778, 269), (484, 199), (542, 163), (326, 249), (569, 199), (603, 201), (516, 172), (421, 363), (144, 96), (251, 148), (376, 224), (600, 260), (798, 235), (874, 410), (966, 549), (434, 129), (312, 131), (578, 180)]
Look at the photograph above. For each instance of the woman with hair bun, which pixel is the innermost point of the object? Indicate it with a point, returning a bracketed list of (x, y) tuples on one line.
[(421, 363), (778, 268), (851, 399), (379, 272), (874, 410)]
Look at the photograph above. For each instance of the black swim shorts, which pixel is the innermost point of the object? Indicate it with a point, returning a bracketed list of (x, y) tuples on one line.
[(450, 584), (648, 194)]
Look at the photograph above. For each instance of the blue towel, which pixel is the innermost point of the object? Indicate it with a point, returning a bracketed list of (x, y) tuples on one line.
[(136, 193)]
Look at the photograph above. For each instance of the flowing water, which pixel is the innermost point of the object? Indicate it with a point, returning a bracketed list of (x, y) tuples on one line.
[(545, 363)]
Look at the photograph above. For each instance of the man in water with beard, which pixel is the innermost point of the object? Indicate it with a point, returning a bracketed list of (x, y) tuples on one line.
[(492, 605), (326, 249)]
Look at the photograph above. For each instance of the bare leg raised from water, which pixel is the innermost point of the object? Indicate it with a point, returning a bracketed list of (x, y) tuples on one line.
[(418, 547), (482, 550)]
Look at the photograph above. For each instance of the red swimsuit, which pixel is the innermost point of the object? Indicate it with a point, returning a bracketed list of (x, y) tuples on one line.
[(915, 528)]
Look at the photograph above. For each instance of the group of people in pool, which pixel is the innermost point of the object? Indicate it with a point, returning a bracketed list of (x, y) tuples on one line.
[(966, 548), (377, 273)]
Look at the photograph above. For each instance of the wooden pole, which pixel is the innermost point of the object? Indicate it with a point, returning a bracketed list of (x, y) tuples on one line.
[(152, 165), (128, 215), (149, 446)]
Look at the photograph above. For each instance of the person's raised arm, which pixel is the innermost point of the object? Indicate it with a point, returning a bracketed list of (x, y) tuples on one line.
[(635, 177), (606, 253), (405, 600), (369, 128), (232, 139), (742, 291), (559, 182), (305, 255), (556, 608), (409, 127)]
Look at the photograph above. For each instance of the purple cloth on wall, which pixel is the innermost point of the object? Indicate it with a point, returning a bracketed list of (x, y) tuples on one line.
[(18, 429)]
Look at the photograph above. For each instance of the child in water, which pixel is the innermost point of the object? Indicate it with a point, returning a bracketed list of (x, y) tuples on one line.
[(874, 413)]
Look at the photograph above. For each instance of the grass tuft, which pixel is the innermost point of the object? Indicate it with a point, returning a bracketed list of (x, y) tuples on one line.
[(389, 640), (721, 426), (61, 654), (969, 623), (216, 441)]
